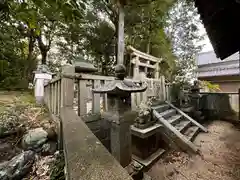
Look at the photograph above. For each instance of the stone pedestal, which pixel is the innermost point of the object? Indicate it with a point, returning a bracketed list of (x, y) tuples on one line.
[(146, 144), (121, 142), (120, 128)]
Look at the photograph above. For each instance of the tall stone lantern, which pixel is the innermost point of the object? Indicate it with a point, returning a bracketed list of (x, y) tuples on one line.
[(118, 99)]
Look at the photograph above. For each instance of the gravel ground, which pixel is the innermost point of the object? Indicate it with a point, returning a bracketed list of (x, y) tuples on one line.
[(219, 159)]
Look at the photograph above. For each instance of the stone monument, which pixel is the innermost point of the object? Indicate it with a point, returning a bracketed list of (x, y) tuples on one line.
[(195, 95)]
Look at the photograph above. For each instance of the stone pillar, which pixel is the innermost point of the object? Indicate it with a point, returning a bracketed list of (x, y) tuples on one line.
[(67, 86), (120, 129), (136, 67), (120, 58), (157, 71)]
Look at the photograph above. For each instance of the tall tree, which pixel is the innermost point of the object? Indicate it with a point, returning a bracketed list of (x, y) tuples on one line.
[(183, 30)]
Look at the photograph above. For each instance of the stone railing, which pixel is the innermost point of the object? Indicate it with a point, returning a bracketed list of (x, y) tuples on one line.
[(70, 100), (85, 156)]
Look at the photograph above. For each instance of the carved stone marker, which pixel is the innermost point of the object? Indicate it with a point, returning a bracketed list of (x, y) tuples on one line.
[(118, 96)]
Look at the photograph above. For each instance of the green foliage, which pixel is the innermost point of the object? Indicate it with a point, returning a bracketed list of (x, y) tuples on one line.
[(210, 86), (26, 25), (182, 27), (90, 28)]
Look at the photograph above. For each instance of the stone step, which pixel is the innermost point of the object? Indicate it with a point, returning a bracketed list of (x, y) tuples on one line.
[(168, 113), (174, 119), (183, 125), (161, 108), (192, 132), (151, 159)]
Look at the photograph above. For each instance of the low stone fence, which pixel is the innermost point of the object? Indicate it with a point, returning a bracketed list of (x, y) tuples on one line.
[(220, 105), (85, 155), (85, 137)]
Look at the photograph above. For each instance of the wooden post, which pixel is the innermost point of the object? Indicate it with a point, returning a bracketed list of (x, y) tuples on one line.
[(120, 58), (67, 87)]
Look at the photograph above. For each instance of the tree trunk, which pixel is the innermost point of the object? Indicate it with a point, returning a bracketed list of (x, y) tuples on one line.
[(26, 73), (44, 56), (43, 48)]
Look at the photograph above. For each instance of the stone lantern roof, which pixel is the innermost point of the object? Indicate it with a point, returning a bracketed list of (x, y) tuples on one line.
[(121, 85)]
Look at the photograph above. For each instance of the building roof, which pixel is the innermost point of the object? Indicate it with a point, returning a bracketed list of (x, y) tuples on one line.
[(221, 21), (211, 66), (210, 59)]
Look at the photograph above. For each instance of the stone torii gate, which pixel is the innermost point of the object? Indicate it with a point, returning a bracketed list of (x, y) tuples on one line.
[(144, 61)]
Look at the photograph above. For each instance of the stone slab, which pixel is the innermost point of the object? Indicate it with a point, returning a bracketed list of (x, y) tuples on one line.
[(151, 159), (144, 133)]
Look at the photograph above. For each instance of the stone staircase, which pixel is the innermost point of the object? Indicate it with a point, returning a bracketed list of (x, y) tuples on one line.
[(175, 121)]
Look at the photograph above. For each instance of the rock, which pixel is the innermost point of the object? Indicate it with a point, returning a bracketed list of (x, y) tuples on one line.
[(34, 138), (18, 166), (52, 135), (49, 148), (7, 151)]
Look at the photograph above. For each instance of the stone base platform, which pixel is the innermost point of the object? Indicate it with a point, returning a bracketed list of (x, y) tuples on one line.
[(151, 159), (146, 144)]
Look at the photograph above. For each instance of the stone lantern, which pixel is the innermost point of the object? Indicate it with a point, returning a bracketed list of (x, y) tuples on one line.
[(41, 78), (118, 98)]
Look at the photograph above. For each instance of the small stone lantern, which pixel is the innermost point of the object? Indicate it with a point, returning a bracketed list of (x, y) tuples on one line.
[(195, 95), (118, 98), (83, 66), (41, 78)]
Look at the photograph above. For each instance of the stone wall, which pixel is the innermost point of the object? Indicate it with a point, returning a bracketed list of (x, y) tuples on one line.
[(216, 105)]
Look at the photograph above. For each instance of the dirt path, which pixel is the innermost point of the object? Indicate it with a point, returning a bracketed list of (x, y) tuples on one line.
[(220, 160)]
